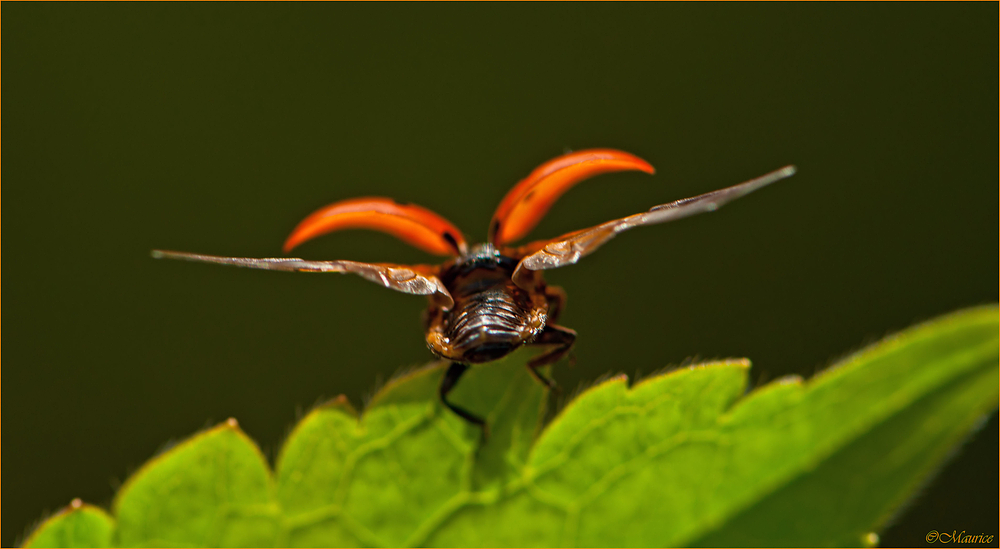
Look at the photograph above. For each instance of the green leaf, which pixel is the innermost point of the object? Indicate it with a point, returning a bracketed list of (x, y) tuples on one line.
[(684, 458), (853, 492), (212, 490), (678, 457), (408, 464), (78, 525)]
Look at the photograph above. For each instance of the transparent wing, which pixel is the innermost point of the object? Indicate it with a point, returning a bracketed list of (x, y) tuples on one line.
[(569, 248), (410, 279)]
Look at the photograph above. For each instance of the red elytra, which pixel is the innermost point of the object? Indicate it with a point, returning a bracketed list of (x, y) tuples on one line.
[(489, 299)]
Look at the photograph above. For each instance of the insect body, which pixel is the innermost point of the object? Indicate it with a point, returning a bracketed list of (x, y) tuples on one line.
[(490, 299)]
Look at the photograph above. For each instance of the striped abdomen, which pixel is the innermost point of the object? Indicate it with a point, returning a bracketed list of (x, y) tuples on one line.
[(491, 316), (487, 325)]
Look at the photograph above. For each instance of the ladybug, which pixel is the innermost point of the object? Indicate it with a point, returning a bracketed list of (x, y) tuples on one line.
[(488, 299)]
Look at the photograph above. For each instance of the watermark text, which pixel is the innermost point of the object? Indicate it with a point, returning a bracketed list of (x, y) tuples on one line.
[(956, 536)]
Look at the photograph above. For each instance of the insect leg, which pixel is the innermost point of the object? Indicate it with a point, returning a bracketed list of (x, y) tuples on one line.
[(451, 377), (556, 297), (563, 339)]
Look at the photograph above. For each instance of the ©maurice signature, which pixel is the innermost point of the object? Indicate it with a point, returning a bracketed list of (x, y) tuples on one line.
[(957, 537)]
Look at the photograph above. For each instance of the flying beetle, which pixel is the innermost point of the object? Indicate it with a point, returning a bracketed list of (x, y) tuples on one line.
[(488, 299)]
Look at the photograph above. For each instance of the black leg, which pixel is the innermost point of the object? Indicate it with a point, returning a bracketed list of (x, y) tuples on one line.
[(563, 339), (448, 382), (556, 298)]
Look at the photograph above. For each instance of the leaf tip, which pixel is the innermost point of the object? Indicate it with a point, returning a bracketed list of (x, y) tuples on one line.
[(789, 380), (870, 539), (77, 503), (741, 363), (401, 379), (339, 402), (232, 423), (606, 381)]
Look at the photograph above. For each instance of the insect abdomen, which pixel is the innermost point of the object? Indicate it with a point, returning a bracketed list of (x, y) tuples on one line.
[(488, 324)]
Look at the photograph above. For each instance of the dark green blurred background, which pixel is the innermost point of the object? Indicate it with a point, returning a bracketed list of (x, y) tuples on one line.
[(216, 128)]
